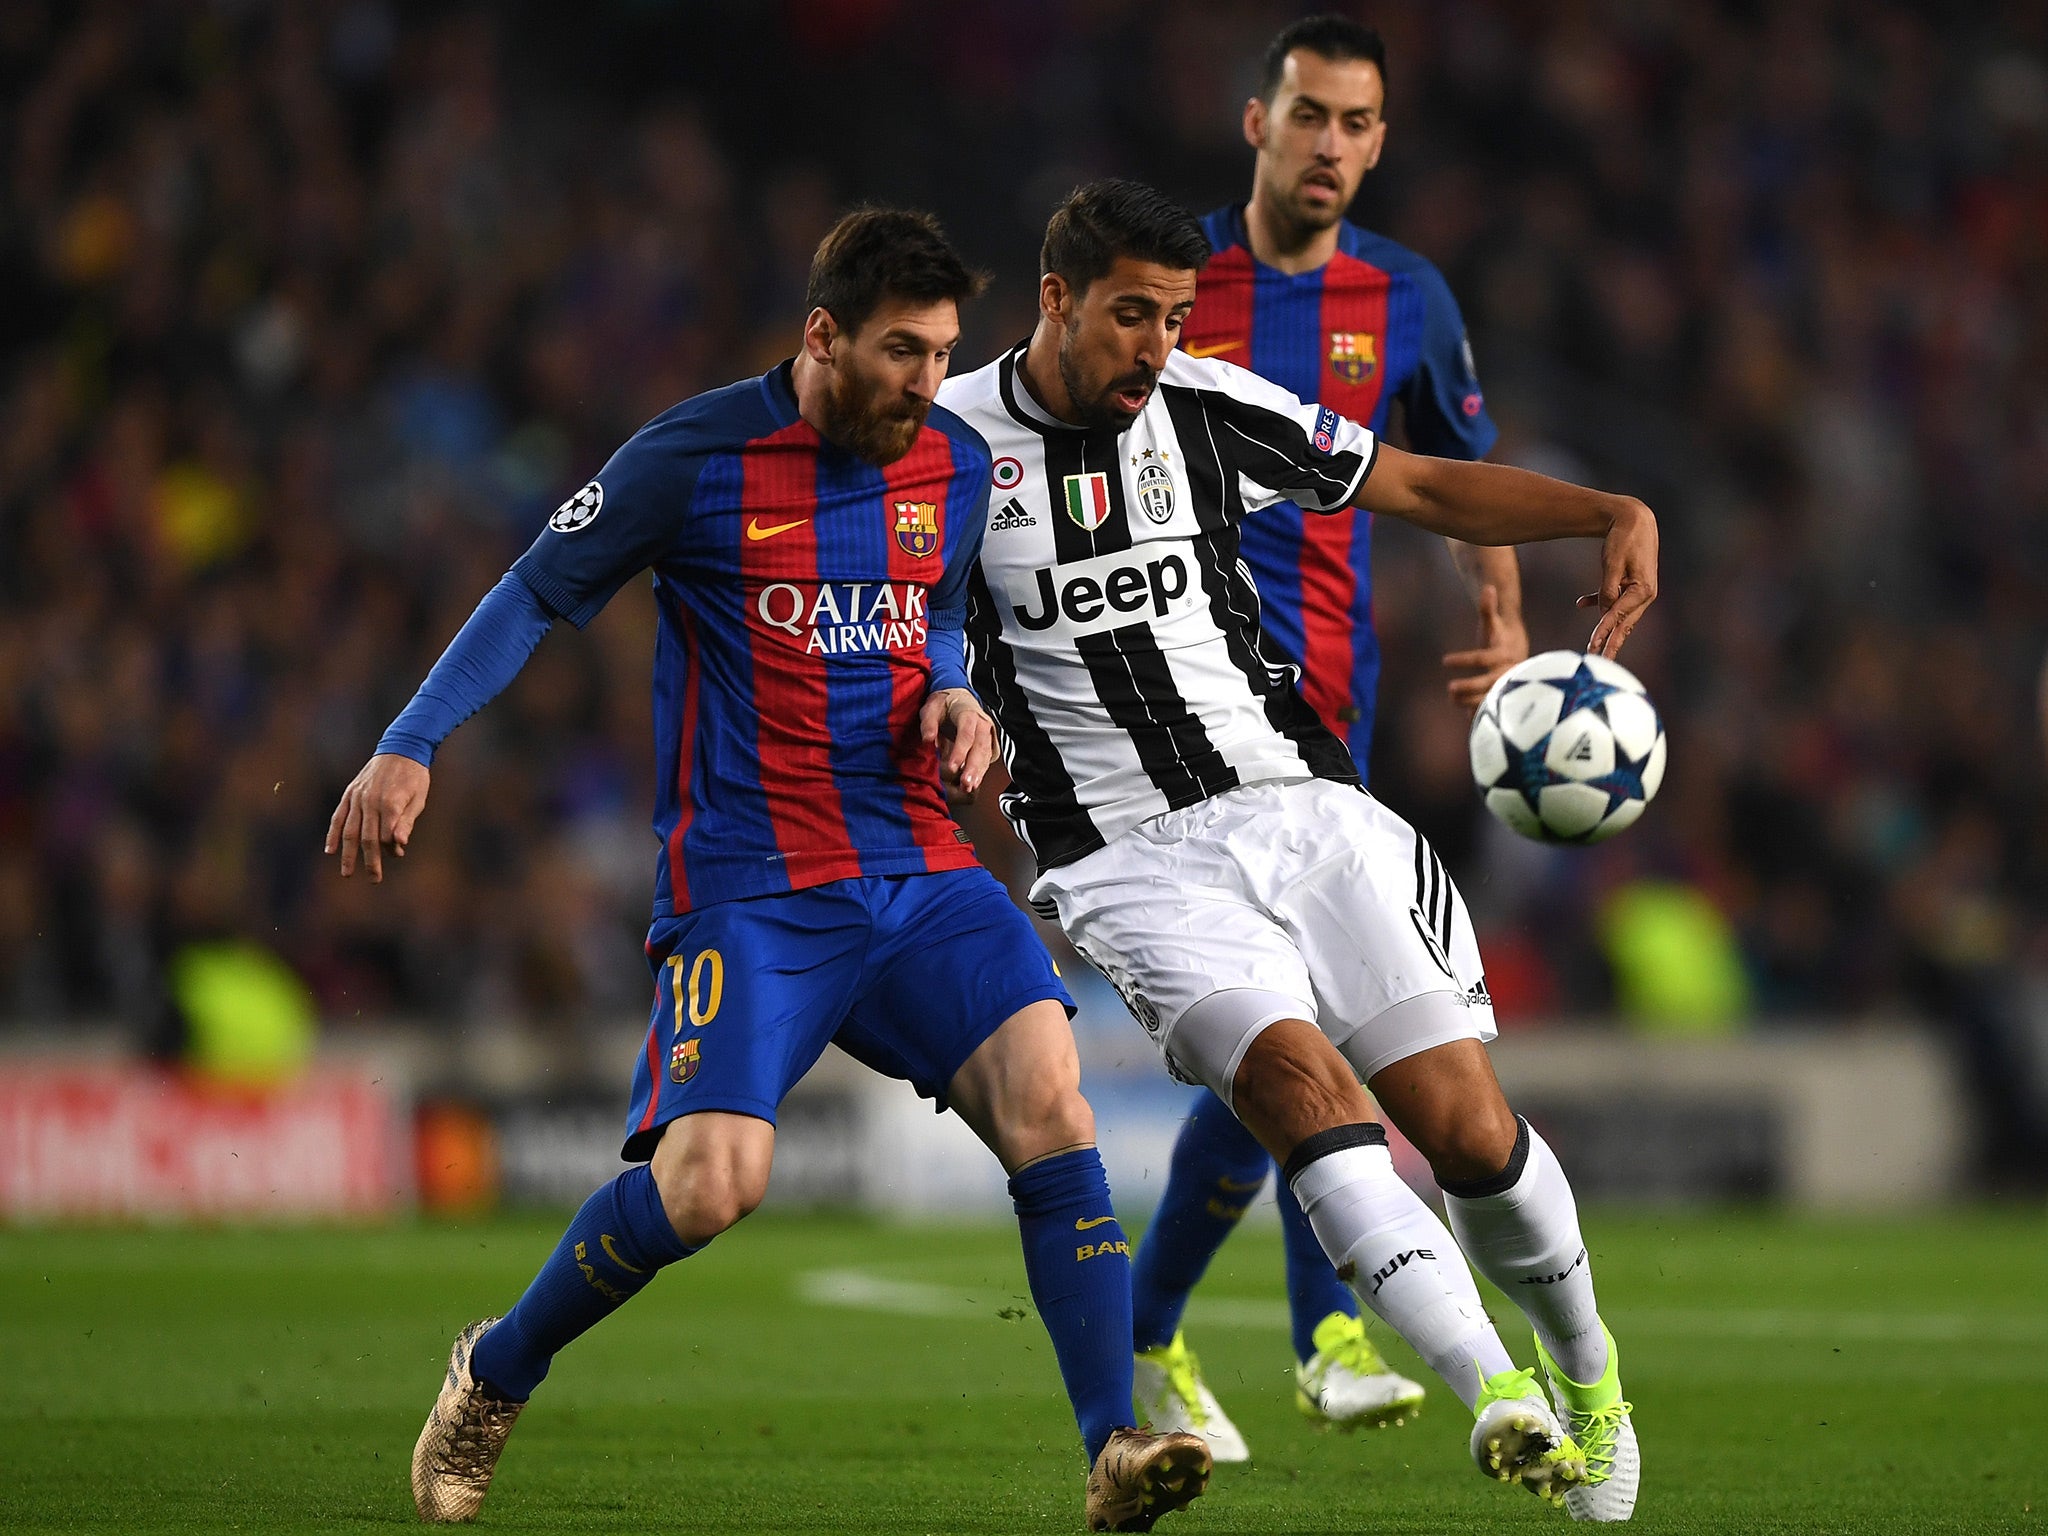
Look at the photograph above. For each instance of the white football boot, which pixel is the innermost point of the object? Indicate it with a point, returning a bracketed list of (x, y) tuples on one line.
[(1169, 1394), (1517, 1439), (1600, 1421), (1347, 1385)]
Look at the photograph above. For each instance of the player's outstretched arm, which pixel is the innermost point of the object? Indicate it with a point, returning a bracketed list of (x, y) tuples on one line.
[(377, 811), (1498, 504)]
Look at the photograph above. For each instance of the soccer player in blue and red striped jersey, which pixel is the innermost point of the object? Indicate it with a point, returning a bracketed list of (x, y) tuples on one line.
[(810, 534), (1347, 318)]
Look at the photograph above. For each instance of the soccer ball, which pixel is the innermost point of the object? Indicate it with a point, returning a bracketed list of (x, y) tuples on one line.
[(1567, 748)]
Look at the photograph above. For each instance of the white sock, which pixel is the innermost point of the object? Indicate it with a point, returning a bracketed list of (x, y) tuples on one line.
[(1523, 1235), (1397, 1256)]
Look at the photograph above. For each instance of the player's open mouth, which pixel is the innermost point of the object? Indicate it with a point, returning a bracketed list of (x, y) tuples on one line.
[(1133, 399)]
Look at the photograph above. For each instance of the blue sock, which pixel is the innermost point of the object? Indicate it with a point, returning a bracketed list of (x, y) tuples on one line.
[(1079, 1264), (1218, 1167), (1313, 1289), (611, 1250)]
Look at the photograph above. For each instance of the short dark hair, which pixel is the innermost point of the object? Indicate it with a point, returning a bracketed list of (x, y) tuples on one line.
[(1336, 38), (1107, 219), (882, 253)]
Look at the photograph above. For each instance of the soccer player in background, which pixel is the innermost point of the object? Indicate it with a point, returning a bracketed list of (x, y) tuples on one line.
[(1206, 843), (810, 534), (1340, 316)]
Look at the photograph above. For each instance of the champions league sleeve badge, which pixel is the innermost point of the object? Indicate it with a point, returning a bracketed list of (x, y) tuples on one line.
[(580, 510)]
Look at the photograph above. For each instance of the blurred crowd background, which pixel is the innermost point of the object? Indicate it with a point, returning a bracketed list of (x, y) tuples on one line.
[(310, 313)]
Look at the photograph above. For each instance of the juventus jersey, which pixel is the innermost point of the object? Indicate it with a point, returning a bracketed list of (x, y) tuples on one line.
[(1112, 628)]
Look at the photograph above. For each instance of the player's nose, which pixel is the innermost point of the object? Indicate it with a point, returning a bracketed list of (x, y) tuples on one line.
[(1154, 342)]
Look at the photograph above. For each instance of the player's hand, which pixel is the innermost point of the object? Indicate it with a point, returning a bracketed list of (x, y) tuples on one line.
[(1628, 578), (378, 811), (1503, 641), (954, 723)]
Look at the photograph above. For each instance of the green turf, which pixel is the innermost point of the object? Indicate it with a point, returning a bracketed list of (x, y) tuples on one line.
[(1789, 1376)]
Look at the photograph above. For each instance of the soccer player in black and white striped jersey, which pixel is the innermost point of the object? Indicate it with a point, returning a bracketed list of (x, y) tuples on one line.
[(1203, 839)]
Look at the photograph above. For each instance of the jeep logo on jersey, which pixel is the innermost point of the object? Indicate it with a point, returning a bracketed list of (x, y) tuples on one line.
[(1352, 357), (1088, 500), (917, 527), (1104, 593), (845, 618), (580, 510), (1155, 493)]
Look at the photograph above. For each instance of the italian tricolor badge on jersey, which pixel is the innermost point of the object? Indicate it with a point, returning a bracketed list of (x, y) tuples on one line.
[(1088, 500)]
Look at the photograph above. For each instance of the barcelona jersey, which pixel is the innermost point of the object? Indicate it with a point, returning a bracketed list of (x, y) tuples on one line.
[(1375, 324), (797, 586)]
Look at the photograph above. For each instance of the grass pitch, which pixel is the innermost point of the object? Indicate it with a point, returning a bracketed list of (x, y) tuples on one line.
[(835, 1375)]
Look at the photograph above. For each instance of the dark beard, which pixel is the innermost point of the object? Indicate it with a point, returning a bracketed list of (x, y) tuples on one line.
[(1098, 413), (879, 437)]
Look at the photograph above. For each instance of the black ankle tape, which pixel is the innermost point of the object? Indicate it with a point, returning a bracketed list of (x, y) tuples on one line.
[(1336, 1139), (1499, 1183)]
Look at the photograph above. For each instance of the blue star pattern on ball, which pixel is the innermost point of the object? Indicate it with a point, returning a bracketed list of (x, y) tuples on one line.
[(1567, 748)]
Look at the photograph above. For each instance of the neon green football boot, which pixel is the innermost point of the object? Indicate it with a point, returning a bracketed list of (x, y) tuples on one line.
[(1517, 1439), (1169, 1394), (1346, 1384), (1599, 1419)]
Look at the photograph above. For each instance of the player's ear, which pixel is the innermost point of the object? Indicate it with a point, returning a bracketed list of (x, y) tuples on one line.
[(820, 331), (1053, 294), (1378, 145), (1255, 123)]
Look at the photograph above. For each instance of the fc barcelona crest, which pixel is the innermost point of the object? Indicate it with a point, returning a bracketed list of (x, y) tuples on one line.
[(1352, 357), (1088, 499), (684, 1060), (917, 527)]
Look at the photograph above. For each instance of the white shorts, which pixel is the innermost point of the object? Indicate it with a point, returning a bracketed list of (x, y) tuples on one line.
[(1305, 900)]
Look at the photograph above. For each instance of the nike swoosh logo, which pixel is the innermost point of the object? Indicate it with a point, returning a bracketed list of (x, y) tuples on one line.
[(756, 532), (1216, 351), (1092, 1221), (605, 1238), (1235, 1187)]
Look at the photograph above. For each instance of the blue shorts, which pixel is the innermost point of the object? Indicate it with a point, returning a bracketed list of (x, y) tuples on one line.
[(909, 973)]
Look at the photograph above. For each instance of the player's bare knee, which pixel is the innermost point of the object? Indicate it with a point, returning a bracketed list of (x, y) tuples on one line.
[(1066, 1120), (703, 1201), (711, 1171), (1472, 1145), (1042, 1123)]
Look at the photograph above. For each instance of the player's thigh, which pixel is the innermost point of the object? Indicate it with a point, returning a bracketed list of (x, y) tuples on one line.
[(747, 995), (1200, 963), (953, 962), (1379, 924)]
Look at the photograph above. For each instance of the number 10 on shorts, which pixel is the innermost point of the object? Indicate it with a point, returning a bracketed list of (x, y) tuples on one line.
[(698, 993)]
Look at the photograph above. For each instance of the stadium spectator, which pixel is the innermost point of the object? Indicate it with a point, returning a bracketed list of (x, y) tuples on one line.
[(314, 312)]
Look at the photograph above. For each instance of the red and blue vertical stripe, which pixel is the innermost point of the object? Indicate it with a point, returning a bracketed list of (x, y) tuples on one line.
[(1349, 335), (791, 670)]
